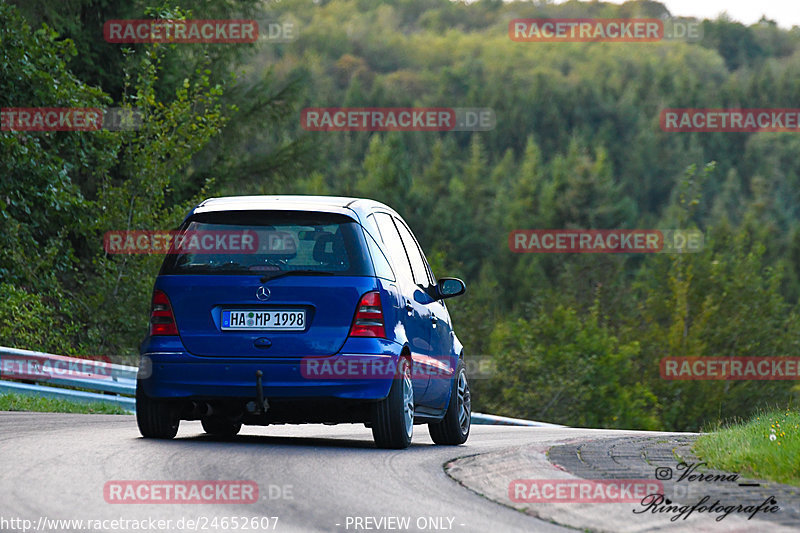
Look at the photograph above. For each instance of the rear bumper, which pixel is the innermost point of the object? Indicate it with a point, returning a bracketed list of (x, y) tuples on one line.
[(180, 375)]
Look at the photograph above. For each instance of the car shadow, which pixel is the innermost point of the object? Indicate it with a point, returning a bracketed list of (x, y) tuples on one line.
[(287, 441)]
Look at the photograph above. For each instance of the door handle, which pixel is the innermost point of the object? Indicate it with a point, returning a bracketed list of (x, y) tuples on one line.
[(262, 342), (434, 319), (409, 307)]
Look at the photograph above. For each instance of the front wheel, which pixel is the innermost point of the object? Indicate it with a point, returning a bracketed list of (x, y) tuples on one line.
[(393, 417), (454, 427), (156, 419)]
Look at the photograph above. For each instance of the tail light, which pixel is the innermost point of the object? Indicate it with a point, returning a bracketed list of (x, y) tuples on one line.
[(162, 319), (368, 321)]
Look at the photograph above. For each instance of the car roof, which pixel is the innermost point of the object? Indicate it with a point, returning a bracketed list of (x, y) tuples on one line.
[(361, 207)]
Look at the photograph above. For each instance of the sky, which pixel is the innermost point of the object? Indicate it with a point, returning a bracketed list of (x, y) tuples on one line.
[(785, 12)]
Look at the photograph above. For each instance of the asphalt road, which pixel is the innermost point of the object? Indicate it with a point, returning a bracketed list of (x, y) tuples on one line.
[(313, 478)]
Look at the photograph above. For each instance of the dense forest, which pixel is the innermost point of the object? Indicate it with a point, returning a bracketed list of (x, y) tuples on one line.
[(574, 339)]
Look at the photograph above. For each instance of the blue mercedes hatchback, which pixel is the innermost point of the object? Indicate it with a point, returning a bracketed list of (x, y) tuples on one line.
[(301, 309)]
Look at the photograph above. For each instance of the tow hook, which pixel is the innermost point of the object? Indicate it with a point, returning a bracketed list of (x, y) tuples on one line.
[(260, 406)]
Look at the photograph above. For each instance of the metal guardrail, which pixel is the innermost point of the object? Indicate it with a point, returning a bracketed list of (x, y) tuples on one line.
[(108, 382), (112, 383), (482, 419)]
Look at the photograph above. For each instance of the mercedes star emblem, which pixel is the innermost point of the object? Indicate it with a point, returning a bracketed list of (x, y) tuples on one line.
[(262, 293)]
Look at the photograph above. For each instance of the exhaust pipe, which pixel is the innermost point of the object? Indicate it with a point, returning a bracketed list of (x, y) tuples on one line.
[(200, 410)]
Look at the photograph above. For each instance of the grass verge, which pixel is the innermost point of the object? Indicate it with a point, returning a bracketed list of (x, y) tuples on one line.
[(19, 402), (766, 447)]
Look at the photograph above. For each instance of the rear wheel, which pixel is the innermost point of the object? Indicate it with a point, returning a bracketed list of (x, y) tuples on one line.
[(156, 419), (220, 426), (454, 427), (393, 417)]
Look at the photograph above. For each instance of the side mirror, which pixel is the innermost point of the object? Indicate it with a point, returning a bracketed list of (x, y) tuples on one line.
[(449, 287)]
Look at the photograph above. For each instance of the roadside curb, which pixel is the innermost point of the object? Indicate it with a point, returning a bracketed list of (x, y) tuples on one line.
[(631, 457)]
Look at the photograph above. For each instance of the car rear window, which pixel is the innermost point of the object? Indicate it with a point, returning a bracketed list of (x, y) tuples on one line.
[(280, 241)]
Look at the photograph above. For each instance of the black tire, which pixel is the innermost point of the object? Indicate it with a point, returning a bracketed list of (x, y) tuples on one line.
[(220, 426), (391, 426), (454, 427), (157, 419)]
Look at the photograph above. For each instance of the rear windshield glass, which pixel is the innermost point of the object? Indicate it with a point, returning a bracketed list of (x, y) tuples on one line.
[(270, 243)]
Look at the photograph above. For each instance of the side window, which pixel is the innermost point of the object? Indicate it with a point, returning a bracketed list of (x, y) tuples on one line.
[(418, 265), (382, 267), (395, 246)]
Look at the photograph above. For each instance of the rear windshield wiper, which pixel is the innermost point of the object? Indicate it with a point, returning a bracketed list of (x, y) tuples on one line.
[(267, 277)]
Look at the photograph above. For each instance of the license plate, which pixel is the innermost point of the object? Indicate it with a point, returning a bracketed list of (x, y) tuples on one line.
[(272, 320)]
